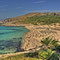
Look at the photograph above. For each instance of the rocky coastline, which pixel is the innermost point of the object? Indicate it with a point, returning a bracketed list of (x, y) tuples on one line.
[(32, 40)]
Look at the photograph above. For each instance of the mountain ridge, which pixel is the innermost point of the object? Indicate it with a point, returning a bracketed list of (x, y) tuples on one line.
[(18, 19)]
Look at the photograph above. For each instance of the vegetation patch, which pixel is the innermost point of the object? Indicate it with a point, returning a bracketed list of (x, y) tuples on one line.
[(46, 19)]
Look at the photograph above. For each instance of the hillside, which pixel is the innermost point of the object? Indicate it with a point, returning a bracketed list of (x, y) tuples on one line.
[(43, 40), (34, 18)]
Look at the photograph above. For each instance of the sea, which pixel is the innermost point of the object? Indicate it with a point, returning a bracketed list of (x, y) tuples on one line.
[(10, 37)]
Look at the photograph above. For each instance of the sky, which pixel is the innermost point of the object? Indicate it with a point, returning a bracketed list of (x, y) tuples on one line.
[(13, 8)]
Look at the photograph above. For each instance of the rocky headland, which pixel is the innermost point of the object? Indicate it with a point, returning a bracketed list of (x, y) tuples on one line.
[(38, 32), (33, 38)]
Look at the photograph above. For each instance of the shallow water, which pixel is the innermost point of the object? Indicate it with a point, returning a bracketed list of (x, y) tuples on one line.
[(10, 37)]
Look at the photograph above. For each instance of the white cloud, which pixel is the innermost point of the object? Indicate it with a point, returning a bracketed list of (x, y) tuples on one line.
[(39, 2)]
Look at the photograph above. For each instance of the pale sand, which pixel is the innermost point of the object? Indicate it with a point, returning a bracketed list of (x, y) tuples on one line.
[(33, 38)]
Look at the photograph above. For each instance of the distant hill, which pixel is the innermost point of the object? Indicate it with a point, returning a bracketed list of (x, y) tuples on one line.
[(34, 18)]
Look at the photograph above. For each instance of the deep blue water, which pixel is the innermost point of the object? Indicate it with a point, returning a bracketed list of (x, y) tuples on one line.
[(10, 37)]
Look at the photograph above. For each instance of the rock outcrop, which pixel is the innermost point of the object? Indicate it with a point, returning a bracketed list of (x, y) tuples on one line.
[(37, 33)]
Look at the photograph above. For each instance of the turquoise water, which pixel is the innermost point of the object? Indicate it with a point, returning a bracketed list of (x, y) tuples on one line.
[(10, 37)]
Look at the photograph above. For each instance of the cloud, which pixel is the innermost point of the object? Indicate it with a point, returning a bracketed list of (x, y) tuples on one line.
[(39, 2), (3, 6)]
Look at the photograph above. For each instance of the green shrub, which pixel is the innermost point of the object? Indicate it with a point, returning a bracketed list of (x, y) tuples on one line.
[(45, 54), (34, 54), (54, 56), (41, 19), (58, 48), (49, 43)]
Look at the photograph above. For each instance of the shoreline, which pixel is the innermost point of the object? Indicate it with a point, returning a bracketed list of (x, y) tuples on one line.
[(34, 37), (17, 53)]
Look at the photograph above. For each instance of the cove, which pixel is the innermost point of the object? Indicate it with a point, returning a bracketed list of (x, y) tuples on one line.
[(10, 37)]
